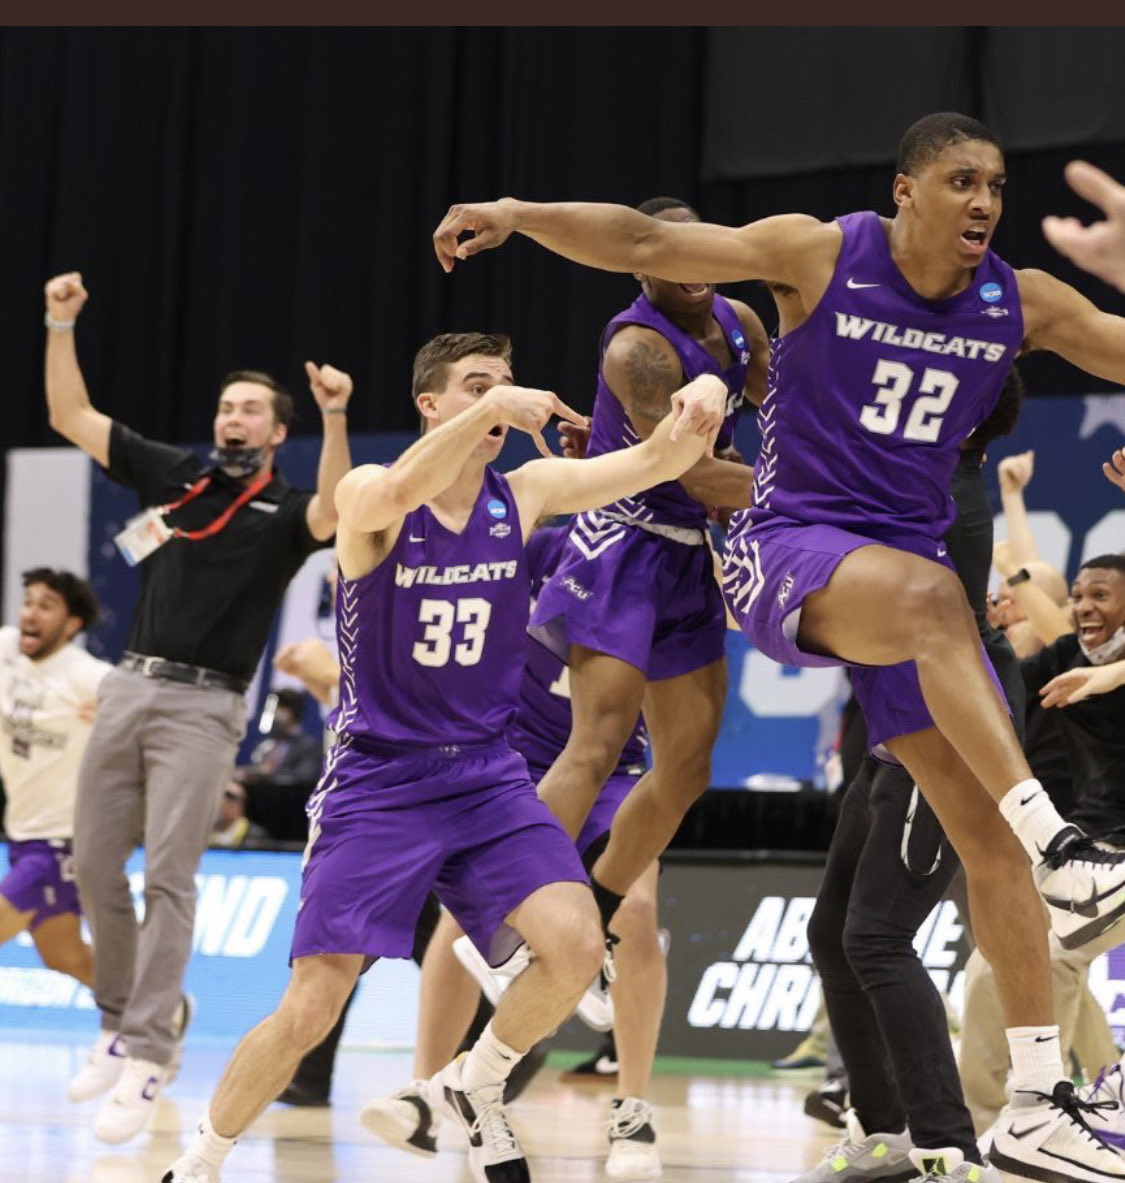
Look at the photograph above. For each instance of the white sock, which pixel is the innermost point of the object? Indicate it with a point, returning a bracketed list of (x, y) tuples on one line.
[(1036, 1058), (211, 1147), (489, 1061), (1034, 820)]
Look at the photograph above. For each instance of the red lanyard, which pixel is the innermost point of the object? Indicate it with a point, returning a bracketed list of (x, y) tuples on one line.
[(220, 522)]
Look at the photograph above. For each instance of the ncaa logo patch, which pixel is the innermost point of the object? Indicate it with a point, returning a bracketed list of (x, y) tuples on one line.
[(738, 339), (496, 508), (991, 292)]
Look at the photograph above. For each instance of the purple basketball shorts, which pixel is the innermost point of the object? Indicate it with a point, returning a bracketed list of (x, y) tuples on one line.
[(40, 879), (636, 596), (768, 570), (464, 822)]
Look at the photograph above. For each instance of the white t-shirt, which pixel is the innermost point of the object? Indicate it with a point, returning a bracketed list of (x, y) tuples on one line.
[(46, 716)]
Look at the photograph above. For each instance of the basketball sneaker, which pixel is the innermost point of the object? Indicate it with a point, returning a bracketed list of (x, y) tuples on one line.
[(1083, 885), (864, 1158), (632, 1141), (1105, 1101), (102, 1069), (828, 1103), (1046, 1136), (127, 1110), (492, 979), (950, 1166), (602, 1065), (595, 1007), (405, 1119), (191, 1169), (495, 1155)]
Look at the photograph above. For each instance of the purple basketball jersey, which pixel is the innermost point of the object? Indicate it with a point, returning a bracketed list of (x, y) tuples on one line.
[(668, 504), (427, 638), (870, 398), (543, 718)]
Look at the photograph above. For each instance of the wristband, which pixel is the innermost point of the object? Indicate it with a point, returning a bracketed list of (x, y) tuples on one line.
[(1021, 576), (334, 411), (57, 326)]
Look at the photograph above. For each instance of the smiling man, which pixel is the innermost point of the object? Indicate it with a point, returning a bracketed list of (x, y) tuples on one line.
[(895, 338), (217, 544), (48, 690)]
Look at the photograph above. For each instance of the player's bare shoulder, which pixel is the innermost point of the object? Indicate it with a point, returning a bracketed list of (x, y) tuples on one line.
[(643, 370), (1044, 301)]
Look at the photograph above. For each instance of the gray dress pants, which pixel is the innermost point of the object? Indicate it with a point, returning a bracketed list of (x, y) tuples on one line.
[(159, 753)]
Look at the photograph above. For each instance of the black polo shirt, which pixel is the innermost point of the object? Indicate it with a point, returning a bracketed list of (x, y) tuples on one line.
[(1093, 731), (210, 603)]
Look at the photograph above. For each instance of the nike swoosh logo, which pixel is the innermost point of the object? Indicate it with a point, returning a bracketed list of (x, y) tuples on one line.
[(1045, 1038), (1030, 1130), (414, 539), (1025, 800), (855, 286), (1087, 908)]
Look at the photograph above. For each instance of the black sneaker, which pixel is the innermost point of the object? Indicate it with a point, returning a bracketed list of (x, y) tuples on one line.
[(495, 1155), (828, 1103)]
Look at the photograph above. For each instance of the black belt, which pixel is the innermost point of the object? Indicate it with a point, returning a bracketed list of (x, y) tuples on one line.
[(178, 671)]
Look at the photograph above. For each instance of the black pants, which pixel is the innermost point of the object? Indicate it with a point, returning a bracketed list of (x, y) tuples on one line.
[(889, 864)]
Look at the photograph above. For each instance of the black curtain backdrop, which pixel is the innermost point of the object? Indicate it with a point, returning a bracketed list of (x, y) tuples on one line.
[(250, 198)]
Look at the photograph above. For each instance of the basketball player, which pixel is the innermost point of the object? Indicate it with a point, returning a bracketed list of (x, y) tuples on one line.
[(633, 607), (448, 996), (895, 338), (419, 792), (48, 692)]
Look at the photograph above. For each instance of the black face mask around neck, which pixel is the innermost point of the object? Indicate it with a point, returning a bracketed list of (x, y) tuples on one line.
[(237, 462)]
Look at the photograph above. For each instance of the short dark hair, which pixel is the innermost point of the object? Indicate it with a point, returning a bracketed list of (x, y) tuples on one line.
[(432, 361), (77, 594), (1106, 563), (1004, 416), (657, 205), (932, 134), (282, 399)]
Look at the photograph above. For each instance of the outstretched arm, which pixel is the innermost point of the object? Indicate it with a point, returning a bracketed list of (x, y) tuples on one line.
[(331, 388), (1075, 685), (68, 403), (615, 238), (1061, 319), (1015, 473), (549, 487), (372, 499), (1099, 248)]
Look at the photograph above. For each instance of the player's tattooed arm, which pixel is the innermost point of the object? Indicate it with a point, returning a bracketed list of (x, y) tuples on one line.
[(643, 371)]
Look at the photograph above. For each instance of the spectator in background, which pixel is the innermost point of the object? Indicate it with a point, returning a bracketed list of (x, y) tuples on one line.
[(232, 827), (288, 755)]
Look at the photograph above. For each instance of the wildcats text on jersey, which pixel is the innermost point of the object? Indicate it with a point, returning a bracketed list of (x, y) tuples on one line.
[(859, 328), (444, 576)]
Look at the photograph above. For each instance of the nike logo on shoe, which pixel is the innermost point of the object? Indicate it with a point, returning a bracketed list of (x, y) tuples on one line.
[(1031, 1129), (1087, 908), (855, 286)]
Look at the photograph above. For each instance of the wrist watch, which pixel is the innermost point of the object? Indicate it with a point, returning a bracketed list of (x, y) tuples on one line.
[(1020, 576)]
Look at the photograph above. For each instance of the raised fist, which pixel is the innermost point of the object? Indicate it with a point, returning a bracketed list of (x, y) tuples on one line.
[(330, 387), (65, 296), (1015, 472)]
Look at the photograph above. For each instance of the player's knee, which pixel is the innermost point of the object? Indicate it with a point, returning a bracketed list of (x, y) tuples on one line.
[(936, 606), (574, 951), (308, 1016)]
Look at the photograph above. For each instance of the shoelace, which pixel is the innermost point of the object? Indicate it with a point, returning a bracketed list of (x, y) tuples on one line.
[(492, 1125), (1073, 1106), (1082, 850), (609, 970), (624, 1123)]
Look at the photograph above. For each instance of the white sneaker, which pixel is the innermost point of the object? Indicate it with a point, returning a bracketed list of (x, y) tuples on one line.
[(127, 1111), (102, 1069), (185, 1012), (190, 1169), (495, 1155), (1105, 1106), (864, 1158), (405, 1119), (595, 1007), (632, 1141), (949, 1166), (1083, 885), (492, 979), (1045, 1137)]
